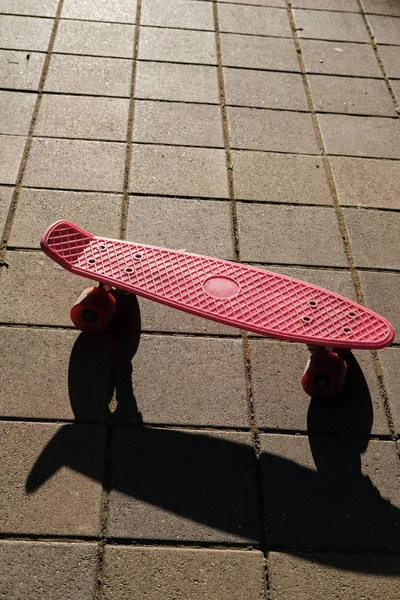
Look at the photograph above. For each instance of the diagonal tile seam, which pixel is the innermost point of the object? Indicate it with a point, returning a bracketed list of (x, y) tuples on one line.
[(341, 220), (378, 57)]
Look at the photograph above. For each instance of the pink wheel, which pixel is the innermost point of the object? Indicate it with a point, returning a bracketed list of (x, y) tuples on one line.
[(93, 310), (324, 375)]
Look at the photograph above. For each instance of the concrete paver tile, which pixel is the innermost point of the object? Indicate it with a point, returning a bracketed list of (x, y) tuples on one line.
[(17, 72), (25, 33), (279, 178), (5, 200), (375, 137), (84, 117), (56, 571), (16, 110), (334, 5), (152, 573), (386, 30), (23, 298), (391, 59), (390, 358), (178, 123), (178, 13), (396, 88), (40, 8), (169, 170), (190, 381), (198, 226), (328, 574), (311, 482), (374, 237), (36, 484), (89, 75), (256, 52), (367, 182), (75, 164), (97, 39), (289, 234), (38, 209), (325, 25), (187, 83), (351, 95), (340, 58), (382, 292), (274, 130), (71, 379), (123, 11), (280, 402), (270, 3), (177, 45), (256, 20), (265, 89), (178, 485), (11, 149), (382, 7)]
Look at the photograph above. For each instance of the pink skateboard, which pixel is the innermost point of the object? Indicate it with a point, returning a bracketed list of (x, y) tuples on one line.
[(239, 295)]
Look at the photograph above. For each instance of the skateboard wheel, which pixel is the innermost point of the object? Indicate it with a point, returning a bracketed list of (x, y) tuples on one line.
[(93, 310), (324, 375)]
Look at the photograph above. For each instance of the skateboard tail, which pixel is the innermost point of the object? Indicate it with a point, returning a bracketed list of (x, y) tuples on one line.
[(62, 248)]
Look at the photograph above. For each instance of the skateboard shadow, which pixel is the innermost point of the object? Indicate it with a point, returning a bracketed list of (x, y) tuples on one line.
[(167, 477)]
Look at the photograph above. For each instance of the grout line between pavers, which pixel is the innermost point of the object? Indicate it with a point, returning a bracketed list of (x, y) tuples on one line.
[(28, 143), (341, 220)]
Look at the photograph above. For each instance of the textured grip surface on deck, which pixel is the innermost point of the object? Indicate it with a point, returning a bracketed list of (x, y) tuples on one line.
[(267, 303)]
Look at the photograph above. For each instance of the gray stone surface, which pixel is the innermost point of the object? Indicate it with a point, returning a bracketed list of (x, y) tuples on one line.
[(151, 573), (386, 30), (274, 3), (382, 291), (184, 14), (100, 10), (178, 123), (351, 95), (5, 200), (289, 234), (382, 7), (391, 59), (274, 130), (183, 485), (324, 25), (367, 182), (334, 5), (16, 112), (256, 52), (70, 380), (51, 478), (340, 58), (76, 164), (25, 33), (19, 73), (311, 482), (97, 76), (255, 20), (374, 238), (196, 225), (265, 89), (177, 45), (396, 88), (38, 209), (41, 8), (83, 117), (279, 178), (186, 83), (390, 364), (280, 402), (190, 381), (179, 171), (361, 136), (366, 576), (56, 571), (23, 279), (11, 150), (97, 39)]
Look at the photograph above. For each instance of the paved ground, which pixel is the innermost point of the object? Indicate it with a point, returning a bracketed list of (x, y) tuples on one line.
[(263, 131)]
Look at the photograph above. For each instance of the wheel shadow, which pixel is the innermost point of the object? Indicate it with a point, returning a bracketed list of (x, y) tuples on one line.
[(211, 479)]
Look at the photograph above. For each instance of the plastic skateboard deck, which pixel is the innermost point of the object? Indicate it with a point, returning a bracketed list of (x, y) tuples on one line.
[(239, 295)]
